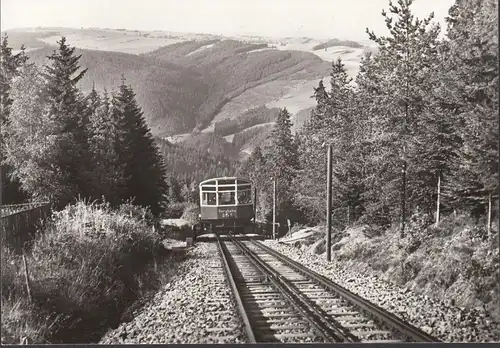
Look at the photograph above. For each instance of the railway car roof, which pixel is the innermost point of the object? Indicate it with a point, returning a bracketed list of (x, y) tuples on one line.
[(209, 181)]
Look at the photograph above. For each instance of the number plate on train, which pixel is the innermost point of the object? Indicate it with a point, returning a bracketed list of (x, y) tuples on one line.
[(227, 213)]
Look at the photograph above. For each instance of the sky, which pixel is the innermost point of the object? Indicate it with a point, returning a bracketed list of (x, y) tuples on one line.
[(343, 19)]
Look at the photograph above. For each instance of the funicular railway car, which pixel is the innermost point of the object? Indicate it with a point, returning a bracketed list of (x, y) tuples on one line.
[(226, 206)]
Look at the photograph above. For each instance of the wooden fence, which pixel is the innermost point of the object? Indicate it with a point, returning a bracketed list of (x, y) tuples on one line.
[(19, 222)]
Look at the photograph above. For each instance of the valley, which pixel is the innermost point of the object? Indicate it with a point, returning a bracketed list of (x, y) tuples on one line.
[(188, 83)]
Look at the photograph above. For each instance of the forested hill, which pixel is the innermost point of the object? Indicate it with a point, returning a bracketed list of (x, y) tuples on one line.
[(169, 94), (232, 67), (180, 89)]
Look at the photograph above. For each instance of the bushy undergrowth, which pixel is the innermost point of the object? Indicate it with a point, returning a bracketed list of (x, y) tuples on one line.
[(456, 261), (174, 210), (88, 266), (191, 213)]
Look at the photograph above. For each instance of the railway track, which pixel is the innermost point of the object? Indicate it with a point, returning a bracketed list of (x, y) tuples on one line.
[(279, 300)]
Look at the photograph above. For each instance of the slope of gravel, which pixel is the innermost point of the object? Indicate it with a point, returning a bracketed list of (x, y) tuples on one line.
[(195, 307), (446, 322)]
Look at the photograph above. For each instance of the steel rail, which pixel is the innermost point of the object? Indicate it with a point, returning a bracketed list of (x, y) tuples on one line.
[(311, 314), (236, 293), (387, 318), (267, 272)]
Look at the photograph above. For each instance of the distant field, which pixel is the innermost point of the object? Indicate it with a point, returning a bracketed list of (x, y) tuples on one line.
[(118, 43), (299, 98), (335, 42)]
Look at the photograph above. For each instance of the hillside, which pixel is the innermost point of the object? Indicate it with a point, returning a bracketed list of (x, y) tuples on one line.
[(196, 82), (169, 94)]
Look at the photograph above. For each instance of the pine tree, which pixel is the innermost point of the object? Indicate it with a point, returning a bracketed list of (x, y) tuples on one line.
[(283, 154), (107, 172), (254, 169), (282, 165), (173, 194), (10, 66), (320, 112), (32, 139), (404, 66), (471, 62), (143, 166), (333, 122), (67, 109)]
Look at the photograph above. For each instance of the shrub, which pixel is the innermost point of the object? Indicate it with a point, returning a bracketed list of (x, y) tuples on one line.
[(191, 213), (86, 268), (174, 210)]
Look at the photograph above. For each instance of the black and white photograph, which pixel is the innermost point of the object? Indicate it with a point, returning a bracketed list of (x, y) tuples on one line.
[(238, 172)]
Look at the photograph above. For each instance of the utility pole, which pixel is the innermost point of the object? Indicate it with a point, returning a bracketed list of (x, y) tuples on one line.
[(255, 205), (403, 200), (274, 207), (254, 208), (329, 206), (438, 200)]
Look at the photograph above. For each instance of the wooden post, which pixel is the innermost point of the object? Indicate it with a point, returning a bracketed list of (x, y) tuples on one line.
[(254, 205), (254, 209), (274, 208), (1, 186), (438, 200), (27, 279), (329, 205), (403, 201)]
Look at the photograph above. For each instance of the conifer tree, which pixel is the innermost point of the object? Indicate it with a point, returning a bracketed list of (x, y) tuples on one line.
[(107, 172), (10, 65), (143, 167), (282, 165), (404, 65), (283, 154), (470, 74), (67, 109), (32, 141), (254, 169), (333, 122)]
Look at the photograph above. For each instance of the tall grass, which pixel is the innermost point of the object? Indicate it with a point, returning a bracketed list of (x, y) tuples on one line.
[(457, 260), (87, 267)]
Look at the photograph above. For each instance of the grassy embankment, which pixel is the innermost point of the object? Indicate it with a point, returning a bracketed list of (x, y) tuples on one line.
[(455, 262), (89, 269)]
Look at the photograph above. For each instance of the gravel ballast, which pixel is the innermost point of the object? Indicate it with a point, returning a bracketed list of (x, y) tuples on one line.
[(447, 323), (196, 306)]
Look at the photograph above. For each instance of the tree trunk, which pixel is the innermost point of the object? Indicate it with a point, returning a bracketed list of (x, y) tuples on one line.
[(348, 215), (489, 215)]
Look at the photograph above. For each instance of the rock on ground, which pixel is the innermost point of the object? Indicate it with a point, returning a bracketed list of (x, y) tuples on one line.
[(195, 307), (442, 320)]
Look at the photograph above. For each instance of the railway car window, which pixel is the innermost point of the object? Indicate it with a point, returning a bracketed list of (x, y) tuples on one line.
[(208, 188), (226, 188), (244, 197), (226, 198), (226, 182), (209, 198)]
